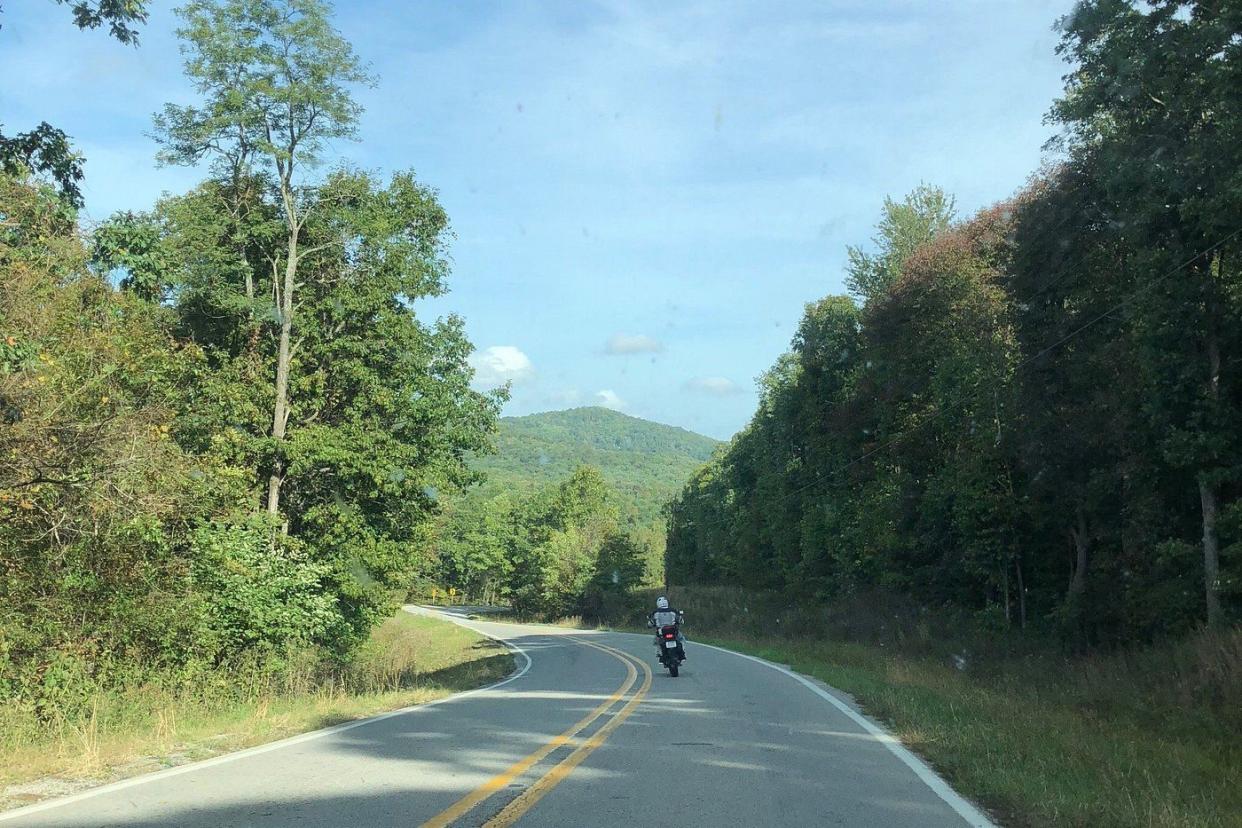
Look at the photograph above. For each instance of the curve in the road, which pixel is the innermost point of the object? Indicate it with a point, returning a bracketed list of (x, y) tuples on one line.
[(502, 780), (732, 741), (528, 798)]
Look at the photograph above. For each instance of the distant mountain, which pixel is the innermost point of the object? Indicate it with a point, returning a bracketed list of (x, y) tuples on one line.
[(645, 462)]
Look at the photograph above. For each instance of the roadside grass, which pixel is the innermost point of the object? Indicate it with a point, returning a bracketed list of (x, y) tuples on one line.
[(569, 622), (1145, 737), (1037, 748), (408, 660)]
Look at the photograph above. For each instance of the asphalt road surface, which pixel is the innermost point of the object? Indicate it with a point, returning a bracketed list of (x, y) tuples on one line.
[(590, 731)]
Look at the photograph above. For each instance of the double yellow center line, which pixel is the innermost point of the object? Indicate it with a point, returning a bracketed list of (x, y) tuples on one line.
[(512, 812)]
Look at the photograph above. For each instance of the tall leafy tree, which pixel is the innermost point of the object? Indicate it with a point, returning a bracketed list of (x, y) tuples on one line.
[(475, 546), (1153, 96), (563, 544), (904, 225), (381, 416), (382, 410), (275, 78)]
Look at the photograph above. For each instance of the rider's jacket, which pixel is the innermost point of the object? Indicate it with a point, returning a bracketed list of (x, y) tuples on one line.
[(664, 618)]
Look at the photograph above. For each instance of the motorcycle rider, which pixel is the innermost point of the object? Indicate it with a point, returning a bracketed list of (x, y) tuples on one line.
[(665, 616)]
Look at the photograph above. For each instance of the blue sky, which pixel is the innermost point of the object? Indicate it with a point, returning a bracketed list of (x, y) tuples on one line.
[(644, 194)]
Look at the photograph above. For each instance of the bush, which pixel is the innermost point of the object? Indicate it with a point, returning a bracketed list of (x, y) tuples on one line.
[(265, 592)]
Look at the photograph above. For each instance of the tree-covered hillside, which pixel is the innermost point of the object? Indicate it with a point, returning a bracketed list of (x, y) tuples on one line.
[(644, 462), (568, 517)]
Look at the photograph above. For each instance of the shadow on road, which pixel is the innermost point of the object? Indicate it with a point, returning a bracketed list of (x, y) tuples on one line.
[(735, 757)]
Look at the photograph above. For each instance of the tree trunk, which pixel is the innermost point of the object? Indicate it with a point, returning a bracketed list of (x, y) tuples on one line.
[(280, 409), (1207, 490), (252, 338), (240, 195), (252, 335), (1016, 545), (1211, 553), (1017, 566), (1005, 587), (1076, 600), (1082, 560)]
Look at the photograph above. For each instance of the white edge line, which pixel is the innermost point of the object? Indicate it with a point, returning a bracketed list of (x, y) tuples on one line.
[(941, 788), (190, 767), (964, 808)]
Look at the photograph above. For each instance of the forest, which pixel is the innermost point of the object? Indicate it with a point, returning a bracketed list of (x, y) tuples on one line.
[(1029, 415), (645, 462), (559, 550), (224, 428), (567, 519)]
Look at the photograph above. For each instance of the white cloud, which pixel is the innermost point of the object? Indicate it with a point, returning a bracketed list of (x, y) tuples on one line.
[(620, 343), (498, 364), (609, 399), (716, 386)]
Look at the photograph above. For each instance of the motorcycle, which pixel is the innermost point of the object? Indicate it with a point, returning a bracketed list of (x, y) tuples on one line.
[(672, 654)]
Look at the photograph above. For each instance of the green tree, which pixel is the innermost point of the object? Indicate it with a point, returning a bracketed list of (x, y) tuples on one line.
[(943, 352), (904, 225), (829, 348), (274, 76), (120, 16), (560, 538), (96, 495), (1153, 99), (381, 415), (44, 150), (476, 546), (700, 546), (133, 243)]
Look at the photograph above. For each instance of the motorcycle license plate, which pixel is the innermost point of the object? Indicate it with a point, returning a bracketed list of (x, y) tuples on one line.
[(672, 645)]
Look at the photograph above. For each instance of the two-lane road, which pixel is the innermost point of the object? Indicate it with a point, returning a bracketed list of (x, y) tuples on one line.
[(589, 732)]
